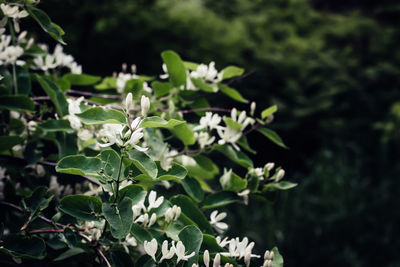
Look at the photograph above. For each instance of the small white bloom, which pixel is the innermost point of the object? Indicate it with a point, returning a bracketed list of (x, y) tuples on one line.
[(129, 102), (229, 135), (267, 263), (167, 158), (215, 221), (280, 175), (209, 121), (269, 166), (144, 105), (172, 214), (217, 260), (252, 108), (85, 135), (206, 258), (204, 139), (154, 202), (129, 241), (245, 194), (222, 243), (152, 220), (181, 253), (151, 248), (166, 253)]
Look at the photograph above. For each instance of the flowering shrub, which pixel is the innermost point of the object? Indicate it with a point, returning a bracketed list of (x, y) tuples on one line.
[(120, 171)]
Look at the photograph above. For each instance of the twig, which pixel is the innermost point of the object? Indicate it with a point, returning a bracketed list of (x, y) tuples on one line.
[(204, 109), (42, 231), (253, 128), (76, 92), (103, 257)]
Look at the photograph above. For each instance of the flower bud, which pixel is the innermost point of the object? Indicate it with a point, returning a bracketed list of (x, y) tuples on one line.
[(129, 102), (269, 166), (252, 108), (280, 175), (145, 105), (217, 260), (206, 258)]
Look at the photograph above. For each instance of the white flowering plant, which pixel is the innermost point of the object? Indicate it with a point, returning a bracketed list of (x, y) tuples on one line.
[(120, 170)]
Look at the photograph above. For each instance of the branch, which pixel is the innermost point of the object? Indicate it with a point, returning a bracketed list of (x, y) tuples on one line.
[(204, 109), (253, 128), (76, 92)]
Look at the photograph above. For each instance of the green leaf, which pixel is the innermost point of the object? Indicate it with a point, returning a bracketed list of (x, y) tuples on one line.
[(143, 162), (99, 115), (69, 253), (190, 65), (278, 259), (161, 88), (79, 165), (52, 125), (120, 217), (202, 85), (107, 83), (210, 243), (140, 233), (81, 207), (47, 25), (39, 199), (110, 162), (121, 259), (273, 136), (232, 124), (242, 142), (236, 156), (8, 142), (157, 122), (176, 68), (269, 111), (55, 94), (66, 143), (233, 93), (284, 185), (192, 238), (231, 71), (193, 189), (135, 192), (81, 79), (19, 103), (176, 172), (24, 247), (173, 231), (219, 199), (24, 81), (191, 213), (183, 132), (232, 182)]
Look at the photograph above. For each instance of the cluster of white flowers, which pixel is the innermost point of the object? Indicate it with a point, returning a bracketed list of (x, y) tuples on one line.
[(146, 219), (172, 214), (268, 258), (150, 247), (13, 12), (216, 261), (123, 77), (92, 229), (56, 60), (124, 135), (9, 54), (227, 134), (166, 158)]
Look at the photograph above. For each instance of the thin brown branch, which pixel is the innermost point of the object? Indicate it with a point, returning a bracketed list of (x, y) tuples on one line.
[(42, 231), (76, 92), (204, 109), (253, 128), (103, 257)]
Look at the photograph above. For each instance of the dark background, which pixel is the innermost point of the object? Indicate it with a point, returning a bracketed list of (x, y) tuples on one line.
[(331, 66)]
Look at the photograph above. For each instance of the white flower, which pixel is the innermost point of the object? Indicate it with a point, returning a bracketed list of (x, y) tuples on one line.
[(74, 105), (154, 202), (114, 134), (280, 175), (74, 121), (92, 229), (245, 194), (210, 121), (167, 158), (75, 68), (204, 139), (217, 260), (209, 73), (144, 105), (9, 54), (252, 108), (215, 219), (129, 102), (242, 119), (172, 214), (55, 60), (151, 248), (166, 253), (147, 88), (129, 241), (239, 248), (269, 166), (85, 135), (206, 258), (13, 11), (267, 263), (165, 75), (256, 171), (229, 135), (222, 243), (180, 252)]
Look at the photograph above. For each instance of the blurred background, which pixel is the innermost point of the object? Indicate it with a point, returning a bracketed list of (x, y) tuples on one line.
[(333, 69)]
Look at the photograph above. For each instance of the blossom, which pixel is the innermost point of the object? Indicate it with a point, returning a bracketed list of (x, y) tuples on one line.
[(280, 175), (129, 102), (217, 260), (245, 194), (180, 252), (55, 60), (209, 73), (222, 243), (229, 135), (151, 248), (252, 108), (14, 13), (204, 139), (9, 53), (167, 253), (209, 121), (269, 166), (144, 105), (129, 241), (154, 202), (206, 258), (167, 158), (215, 219), (172, 214)]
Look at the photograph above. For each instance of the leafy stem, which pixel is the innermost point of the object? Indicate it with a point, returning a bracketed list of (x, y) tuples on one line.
[(118, 177)]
